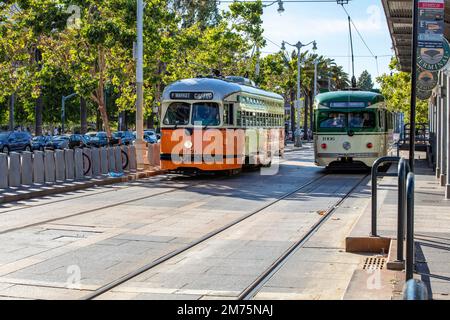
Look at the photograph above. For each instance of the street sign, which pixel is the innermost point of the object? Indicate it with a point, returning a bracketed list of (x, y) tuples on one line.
[(433, 49), (426, 80), (431, 23), (423, 94), (434, 59)]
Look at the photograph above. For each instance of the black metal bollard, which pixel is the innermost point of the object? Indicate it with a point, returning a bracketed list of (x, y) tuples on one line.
[(415, 290), (410, 226), (375, 166), (403, 170)]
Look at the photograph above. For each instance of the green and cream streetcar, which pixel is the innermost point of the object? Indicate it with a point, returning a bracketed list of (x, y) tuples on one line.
[(351, 128)]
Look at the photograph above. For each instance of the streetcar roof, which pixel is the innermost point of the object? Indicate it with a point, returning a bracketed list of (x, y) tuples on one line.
[(350, 96), (220, 88)]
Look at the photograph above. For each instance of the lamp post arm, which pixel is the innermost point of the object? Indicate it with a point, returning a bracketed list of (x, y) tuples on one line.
[(268, 5)]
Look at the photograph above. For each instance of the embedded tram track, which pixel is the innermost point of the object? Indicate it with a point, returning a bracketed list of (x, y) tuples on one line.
[(164, 179), (115, 283), (253, 289), (175, 189)]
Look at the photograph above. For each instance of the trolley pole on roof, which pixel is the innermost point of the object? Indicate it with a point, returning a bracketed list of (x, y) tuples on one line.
[(412, 133)]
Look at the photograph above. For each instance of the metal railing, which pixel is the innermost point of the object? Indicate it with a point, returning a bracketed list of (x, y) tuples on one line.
[(375, 175)]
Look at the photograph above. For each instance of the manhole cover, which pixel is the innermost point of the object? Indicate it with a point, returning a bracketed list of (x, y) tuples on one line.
[(374, 263)]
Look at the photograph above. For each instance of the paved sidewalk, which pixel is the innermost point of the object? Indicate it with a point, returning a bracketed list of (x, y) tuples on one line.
[(432, 231)]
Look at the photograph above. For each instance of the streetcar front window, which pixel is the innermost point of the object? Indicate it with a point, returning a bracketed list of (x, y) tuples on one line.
[(177, 114), (361, 120), (332, 120), (206, 114)]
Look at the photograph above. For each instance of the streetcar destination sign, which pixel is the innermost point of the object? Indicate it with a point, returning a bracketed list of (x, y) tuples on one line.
[(191, 95)]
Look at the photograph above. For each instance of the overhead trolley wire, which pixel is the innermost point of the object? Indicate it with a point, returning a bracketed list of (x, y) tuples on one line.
[(362, 39)]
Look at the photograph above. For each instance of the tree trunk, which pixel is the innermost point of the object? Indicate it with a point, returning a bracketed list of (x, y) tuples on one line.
[(11, 111), (305, 125), (83, 115), (38, 115), (311, 114), (98, 121), (99, 95)]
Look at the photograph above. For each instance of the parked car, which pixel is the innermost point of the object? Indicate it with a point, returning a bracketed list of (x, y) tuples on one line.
[(39, 142), (124, 137), (149, 136), (98, 139), (58, 142), (15, 141), (78, 141)]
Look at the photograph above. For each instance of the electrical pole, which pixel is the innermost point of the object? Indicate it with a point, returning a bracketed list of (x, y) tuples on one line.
[(412, 133), (140, 146), (299, 46)]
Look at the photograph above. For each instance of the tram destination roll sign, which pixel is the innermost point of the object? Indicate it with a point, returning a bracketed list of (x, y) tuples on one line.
[(434, 49)]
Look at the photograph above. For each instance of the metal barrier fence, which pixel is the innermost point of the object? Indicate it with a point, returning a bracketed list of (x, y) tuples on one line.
[(26, 168)]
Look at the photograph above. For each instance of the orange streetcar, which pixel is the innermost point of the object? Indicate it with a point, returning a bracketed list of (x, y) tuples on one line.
[(220, 124)]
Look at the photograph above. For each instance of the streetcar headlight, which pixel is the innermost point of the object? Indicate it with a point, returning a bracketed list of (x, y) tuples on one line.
[(188, 144), (370, 145)]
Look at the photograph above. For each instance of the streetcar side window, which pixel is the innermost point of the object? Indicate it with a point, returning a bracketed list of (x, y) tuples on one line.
[(177, 114), (239, 118), (228, 114)]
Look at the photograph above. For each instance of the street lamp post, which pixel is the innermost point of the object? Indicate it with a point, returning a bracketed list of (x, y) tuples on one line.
[(316, 62), (140, 146), (299, 46)]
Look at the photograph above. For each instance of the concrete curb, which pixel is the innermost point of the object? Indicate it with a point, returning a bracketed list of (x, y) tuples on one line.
[(18, 194)]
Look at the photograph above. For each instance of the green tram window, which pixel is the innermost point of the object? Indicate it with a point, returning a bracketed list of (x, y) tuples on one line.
[(335, 121), (340, 121), (361, 120)]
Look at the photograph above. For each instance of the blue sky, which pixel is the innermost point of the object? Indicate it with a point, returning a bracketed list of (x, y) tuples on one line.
[(327, 24)]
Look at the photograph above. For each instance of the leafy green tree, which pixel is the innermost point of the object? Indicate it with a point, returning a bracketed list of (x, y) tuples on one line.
[(396, 88), (365, 82)]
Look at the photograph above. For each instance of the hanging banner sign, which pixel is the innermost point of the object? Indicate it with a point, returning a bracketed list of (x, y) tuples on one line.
[(426, 80), (434, 59), (424, 94), (431, 23)]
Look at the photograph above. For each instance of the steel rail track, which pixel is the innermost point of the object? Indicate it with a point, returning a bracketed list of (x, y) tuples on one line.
[(168, 178), (256, 286), (113, 284), (175, 189), (111, 188)]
